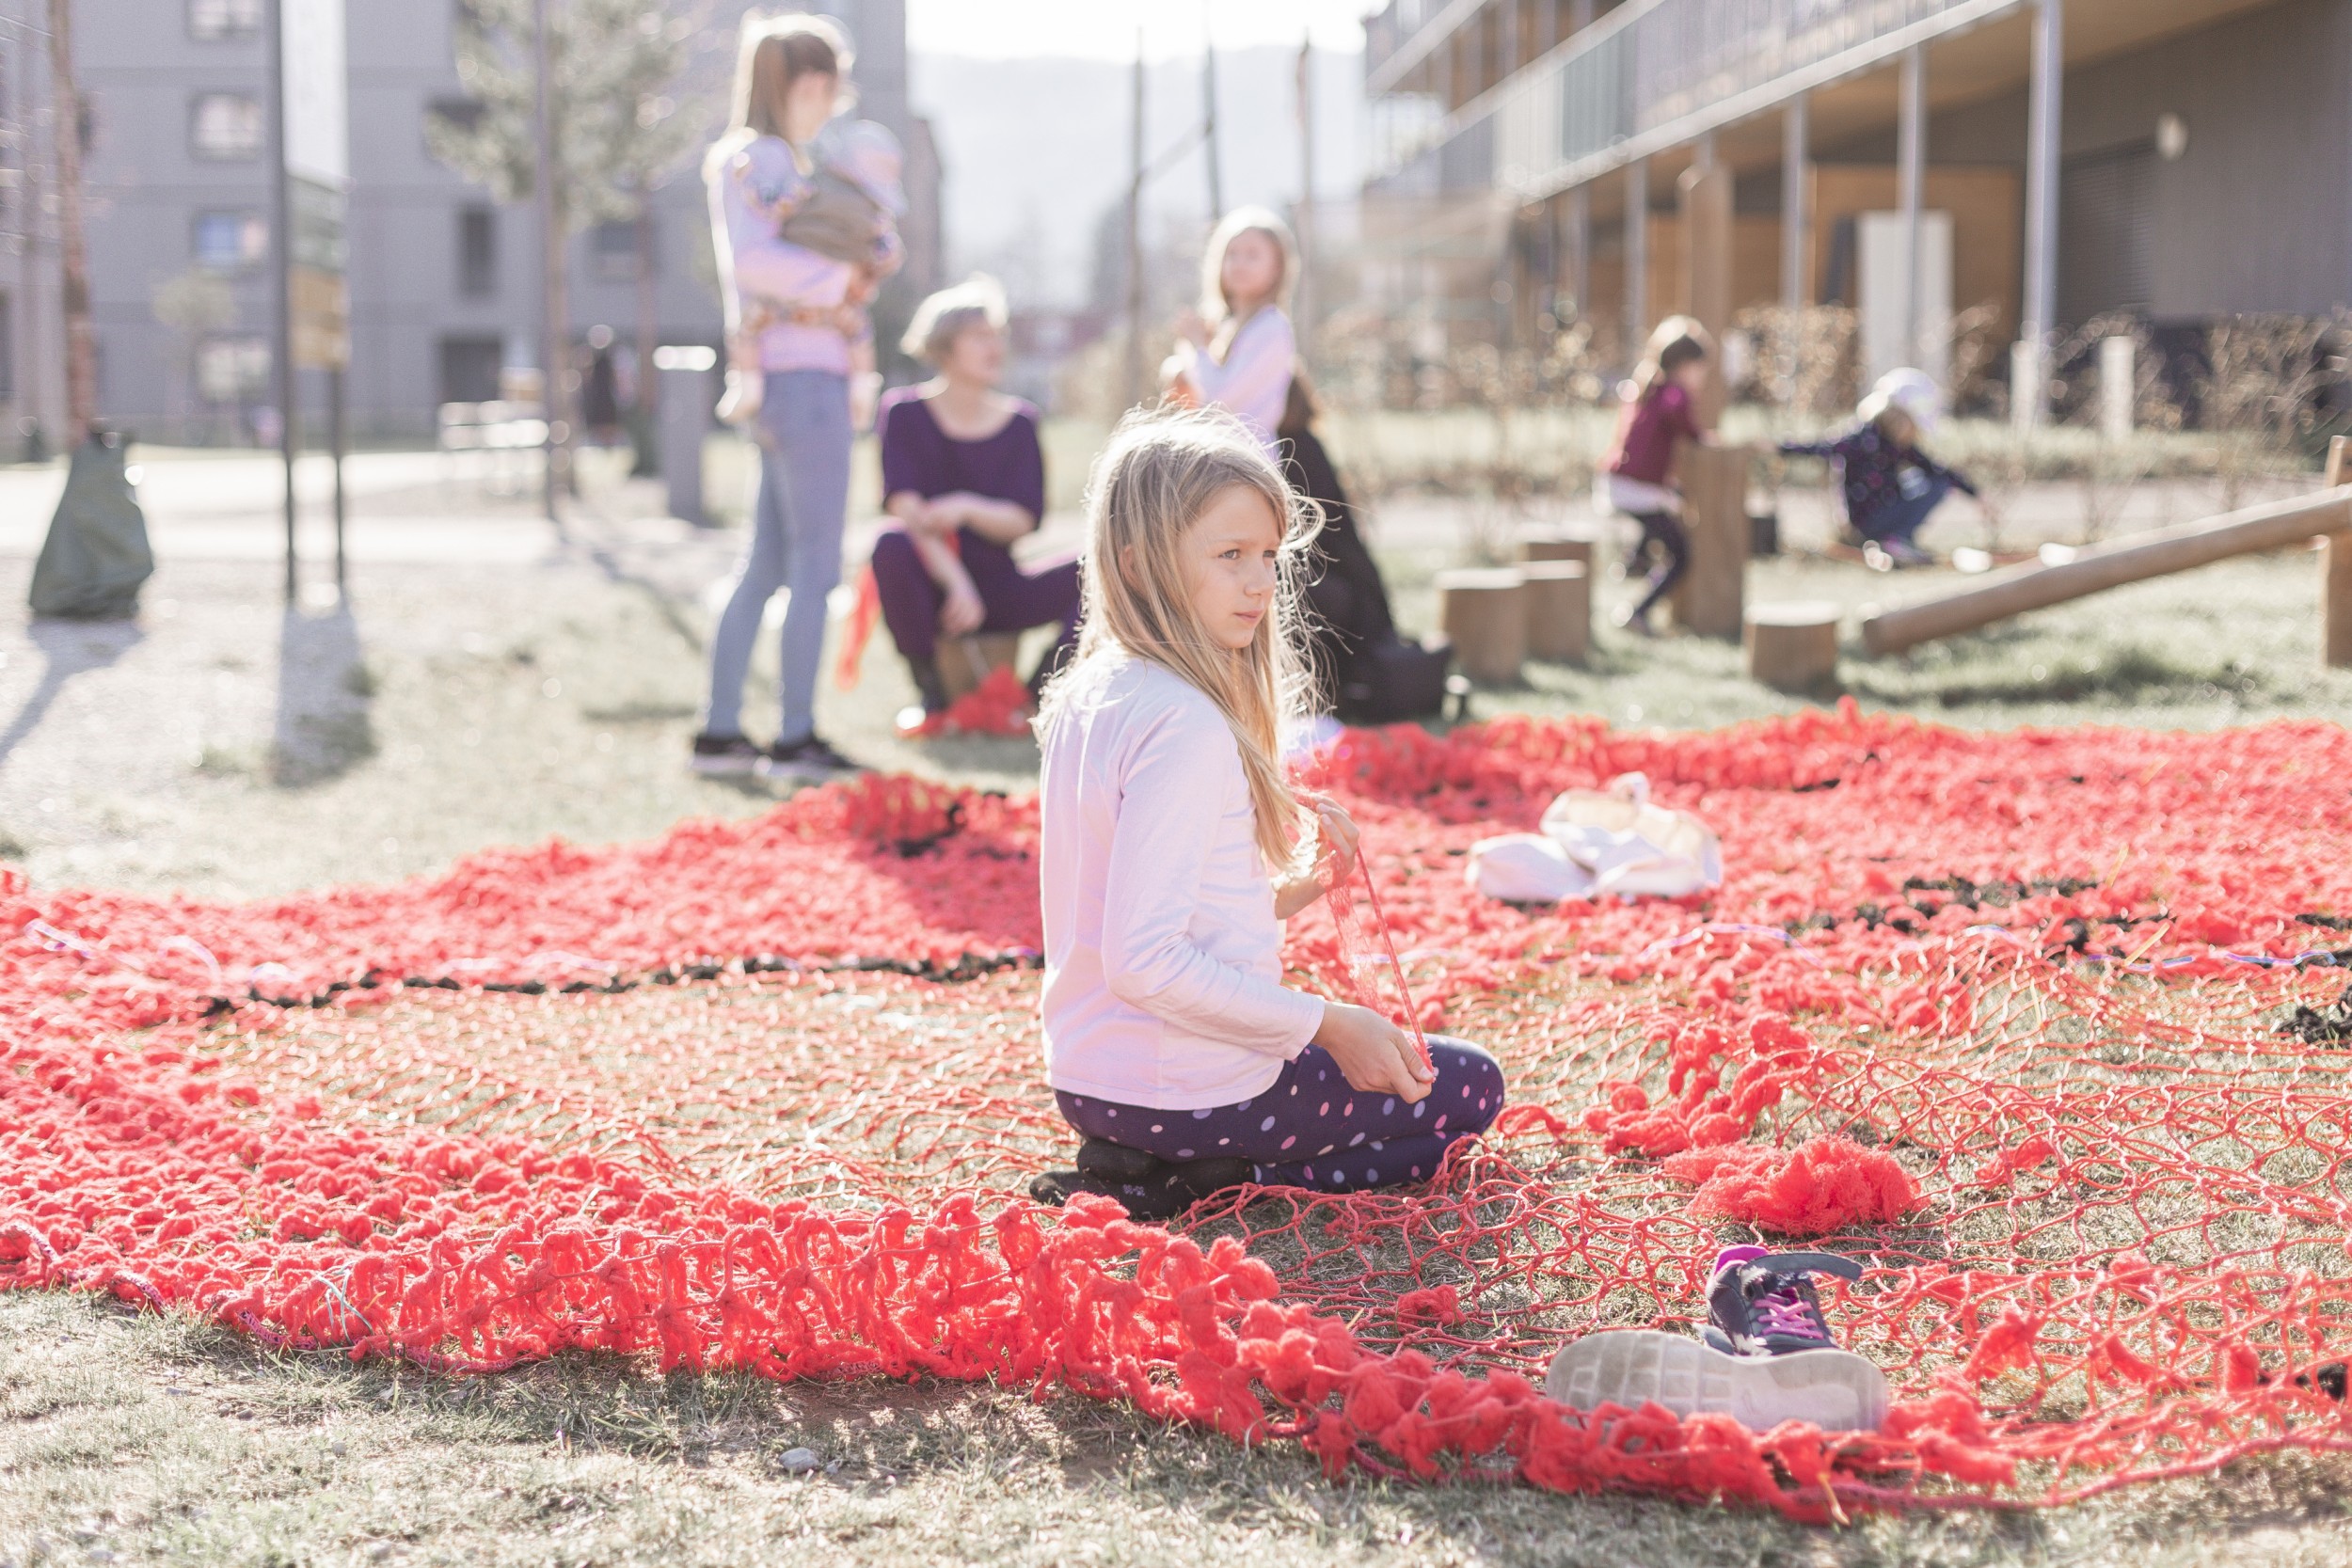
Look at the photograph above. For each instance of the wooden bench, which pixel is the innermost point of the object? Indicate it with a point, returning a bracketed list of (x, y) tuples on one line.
[(499, 433), (965, 662)]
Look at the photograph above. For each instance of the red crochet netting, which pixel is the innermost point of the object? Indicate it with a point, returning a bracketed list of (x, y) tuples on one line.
[(2044, 1028)]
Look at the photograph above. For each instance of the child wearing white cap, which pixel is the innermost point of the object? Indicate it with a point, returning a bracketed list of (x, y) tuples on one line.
[(1891, 486)]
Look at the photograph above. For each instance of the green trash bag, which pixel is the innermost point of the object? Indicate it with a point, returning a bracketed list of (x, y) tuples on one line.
[(96, 556)]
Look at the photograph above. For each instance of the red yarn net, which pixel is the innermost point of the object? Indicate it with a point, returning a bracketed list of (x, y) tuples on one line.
[(2047, 1029)]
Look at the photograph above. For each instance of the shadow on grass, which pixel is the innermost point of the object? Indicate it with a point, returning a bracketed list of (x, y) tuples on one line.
[(2019, 669)]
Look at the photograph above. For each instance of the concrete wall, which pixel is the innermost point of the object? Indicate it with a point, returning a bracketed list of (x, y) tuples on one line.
[(2257, 215)]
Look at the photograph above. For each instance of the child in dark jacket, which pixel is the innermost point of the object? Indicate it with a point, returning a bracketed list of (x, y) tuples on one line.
[(1891, 486), (1661, 411)]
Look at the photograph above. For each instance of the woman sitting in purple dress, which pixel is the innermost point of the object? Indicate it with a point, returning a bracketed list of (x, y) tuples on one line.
[(964, 478)]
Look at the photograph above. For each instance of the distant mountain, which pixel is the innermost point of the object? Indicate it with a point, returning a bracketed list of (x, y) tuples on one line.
[(1035, 150)]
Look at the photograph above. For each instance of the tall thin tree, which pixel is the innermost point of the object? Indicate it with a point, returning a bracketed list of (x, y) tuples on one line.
[(620, 115)]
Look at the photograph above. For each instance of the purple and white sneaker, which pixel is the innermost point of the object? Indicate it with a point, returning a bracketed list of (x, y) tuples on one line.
[(1766, 1357), (1763, 1302)]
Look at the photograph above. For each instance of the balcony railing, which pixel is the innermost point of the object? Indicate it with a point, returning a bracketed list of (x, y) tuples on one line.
[(1657, 74)]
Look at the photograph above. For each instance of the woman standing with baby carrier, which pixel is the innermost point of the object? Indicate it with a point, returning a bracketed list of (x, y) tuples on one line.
[(808, 311)]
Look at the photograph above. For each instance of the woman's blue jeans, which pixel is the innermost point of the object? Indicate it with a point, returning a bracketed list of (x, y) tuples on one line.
[(804, 498)]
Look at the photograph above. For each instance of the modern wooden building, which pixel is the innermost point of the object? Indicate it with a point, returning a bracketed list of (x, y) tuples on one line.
[(2050, 160)]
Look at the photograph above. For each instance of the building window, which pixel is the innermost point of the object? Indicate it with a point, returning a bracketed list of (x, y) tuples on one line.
[(233, 369), (230, 242), (224, 18), (470, 369), (477, 253), (613, 252), (225, 126)]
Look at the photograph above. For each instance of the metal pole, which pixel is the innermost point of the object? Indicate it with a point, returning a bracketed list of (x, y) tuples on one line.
[(1796, 239), (338, 437), (2029, 379), (1636, 257), (1910, 156), (281, 248), (1208, 117), (551, 349), (1133, 385), (1302, 301), (1581, 246), (81, 338)]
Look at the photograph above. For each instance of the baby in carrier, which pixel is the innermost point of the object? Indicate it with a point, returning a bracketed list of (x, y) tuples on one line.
[(847, 207)]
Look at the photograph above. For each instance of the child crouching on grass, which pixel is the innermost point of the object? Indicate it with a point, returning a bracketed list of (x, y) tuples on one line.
[(1173, 849)]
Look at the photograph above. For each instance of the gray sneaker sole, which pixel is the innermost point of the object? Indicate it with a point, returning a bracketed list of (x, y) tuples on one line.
[(724, 768), (1834, 1389), (804, 773)]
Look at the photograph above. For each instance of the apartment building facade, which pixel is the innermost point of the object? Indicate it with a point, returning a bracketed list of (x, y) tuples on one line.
[(2050, 160), (444, 281)]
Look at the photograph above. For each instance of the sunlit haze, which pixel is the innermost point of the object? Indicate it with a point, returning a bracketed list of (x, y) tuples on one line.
[(1106, 29)]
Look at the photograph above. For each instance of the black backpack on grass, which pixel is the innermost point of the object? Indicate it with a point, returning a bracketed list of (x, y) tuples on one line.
[(1375, 676)]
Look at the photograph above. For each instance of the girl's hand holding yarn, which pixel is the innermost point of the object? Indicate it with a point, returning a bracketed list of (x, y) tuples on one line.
[(1337, 835), (1373, 1055)]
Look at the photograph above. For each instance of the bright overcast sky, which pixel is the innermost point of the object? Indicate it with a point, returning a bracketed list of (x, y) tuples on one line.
[(1106, 29)]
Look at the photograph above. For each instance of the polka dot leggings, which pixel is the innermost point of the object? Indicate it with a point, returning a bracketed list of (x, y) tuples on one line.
[(1310, 1129)]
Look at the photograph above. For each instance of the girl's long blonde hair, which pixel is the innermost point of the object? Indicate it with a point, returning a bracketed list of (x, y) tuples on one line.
[(1161, 470)]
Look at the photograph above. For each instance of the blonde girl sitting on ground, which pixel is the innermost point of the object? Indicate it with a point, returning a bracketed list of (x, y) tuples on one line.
[(1173, 847)]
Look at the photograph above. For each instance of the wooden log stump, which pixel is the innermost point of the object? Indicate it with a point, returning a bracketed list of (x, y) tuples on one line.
[(1793, 646), (965, 661), (1712, 594), (1565, 542), (1559, 610), (2335, 579), (1483, 610)]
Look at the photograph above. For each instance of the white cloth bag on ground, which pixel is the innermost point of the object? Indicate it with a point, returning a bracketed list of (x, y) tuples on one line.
[(1599, 843)]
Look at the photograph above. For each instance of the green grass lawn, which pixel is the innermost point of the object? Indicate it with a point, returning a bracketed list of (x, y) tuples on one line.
[(133, 1438)]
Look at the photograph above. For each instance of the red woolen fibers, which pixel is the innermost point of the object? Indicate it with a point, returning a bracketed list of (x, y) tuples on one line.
[(1818, 1187)]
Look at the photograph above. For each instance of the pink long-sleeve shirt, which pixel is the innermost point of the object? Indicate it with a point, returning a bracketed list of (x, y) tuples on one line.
[(1253, 380), (756, 266), (1163, 959)]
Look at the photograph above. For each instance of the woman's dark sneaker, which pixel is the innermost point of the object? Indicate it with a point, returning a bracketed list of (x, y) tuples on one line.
[(1764, 1304), (809, 761), (724, 756)]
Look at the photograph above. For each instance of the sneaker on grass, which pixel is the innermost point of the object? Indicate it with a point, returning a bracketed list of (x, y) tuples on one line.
[(724, 756), (1766, 1356), (806, 761), (1762, 1302)]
